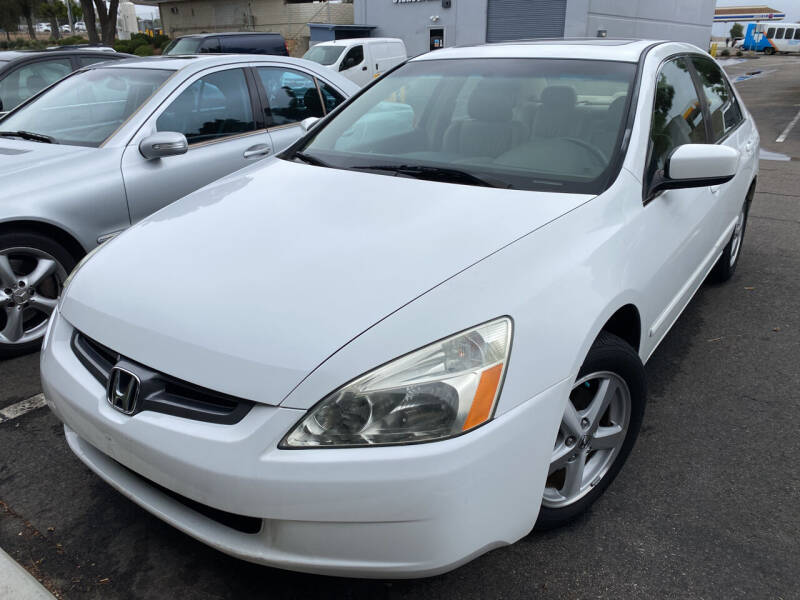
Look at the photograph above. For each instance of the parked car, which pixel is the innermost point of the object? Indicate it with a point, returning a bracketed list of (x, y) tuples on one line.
[(43, 28), (80, 26), (387, 359), (66, 28), (359, 59), (112, 143), (26, 73), (228, 43)]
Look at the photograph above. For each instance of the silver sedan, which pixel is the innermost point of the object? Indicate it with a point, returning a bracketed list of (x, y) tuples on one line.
[(109, 145)]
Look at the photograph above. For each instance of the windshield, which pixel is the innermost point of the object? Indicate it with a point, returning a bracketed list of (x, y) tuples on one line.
[(324, 55), (184, 45), (85, 109), (534, 124)]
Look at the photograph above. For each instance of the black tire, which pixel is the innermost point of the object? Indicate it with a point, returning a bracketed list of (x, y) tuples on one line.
[(725, 267), (609, 353), (53, 286), (769, 50)]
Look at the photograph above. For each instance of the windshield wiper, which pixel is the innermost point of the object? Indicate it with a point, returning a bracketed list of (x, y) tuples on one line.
[(444, 174), (29, 135), (308, 159)]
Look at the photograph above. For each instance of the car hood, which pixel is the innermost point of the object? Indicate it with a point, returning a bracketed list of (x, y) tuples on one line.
[(18, 156), (249, 284)]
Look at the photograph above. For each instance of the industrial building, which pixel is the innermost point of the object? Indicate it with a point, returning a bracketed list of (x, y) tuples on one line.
[(430, 24)]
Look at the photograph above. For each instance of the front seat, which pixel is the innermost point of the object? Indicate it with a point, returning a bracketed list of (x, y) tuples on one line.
[(490, 129), (556, 115)]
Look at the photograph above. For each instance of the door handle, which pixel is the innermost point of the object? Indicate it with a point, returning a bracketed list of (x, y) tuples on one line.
[(258, 150), (364, 68)]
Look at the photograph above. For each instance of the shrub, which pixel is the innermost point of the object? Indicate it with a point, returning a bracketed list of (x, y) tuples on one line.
[(739, 53), (144, 50), (725, 52)]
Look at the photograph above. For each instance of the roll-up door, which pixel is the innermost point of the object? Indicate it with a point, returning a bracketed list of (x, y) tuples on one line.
[(520, 19)]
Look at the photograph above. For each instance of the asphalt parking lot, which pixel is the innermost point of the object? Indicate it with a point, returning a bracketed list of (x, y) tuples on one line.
[(706, 507)]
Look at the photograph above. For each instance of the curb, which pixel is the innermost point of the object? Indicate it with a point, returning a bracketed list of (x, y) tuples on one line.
[(17, 583)]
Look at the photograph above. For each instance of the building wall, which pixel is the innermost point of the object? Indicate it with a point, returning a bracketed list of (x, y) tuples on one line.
[(464, 23), (290, 20), (678, 20)]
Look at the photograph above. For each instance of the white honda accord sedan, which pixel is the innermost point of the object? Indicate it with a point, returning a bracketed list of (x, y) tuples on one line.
[(421, 330)]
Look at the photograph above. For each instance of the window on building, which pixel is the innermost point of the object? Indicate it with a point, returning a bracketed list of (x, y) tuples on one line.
[(214, 106), (677, 117), (292, 95)]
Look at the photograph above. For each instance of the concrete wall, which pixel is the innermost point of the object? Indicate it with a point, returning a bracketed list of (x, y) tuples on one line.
[(679, 20), (290, 20), (464, 23)]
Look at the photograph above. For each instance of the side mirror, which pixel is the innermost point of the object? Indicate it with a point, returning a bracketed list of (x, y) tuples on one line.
[(696, 165), (308, 123), (163, 144)]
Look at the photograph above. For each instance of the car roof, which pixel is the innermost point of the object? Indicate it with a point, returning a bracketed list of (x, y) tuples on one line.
[(10, 55), (348, 41), (581, 48), (192, 63), (226, 33)]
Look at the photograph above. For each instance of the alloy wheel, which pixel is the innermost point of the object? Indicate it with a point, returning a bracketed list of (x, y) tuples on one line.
[(592, 433), (30, 283)]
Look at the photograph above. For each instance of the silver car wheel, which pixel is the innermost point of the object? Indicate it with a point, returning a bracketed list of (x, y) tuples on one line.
[(30, 283), (590, 438), (736, 240)]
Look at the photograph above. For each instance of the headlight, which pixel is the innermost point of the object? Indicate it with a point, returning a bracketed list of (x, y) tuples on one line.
[(435, 392)]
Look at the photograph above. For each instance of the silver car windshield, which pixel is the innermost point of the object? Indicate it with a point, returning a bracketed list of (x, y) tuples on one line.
[(324, 55), (533, 124), (86, 108)]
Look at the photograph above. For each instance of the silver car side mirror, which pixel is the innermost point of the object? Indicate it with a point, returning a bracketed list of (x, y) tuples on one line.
[(163, 144), (308, 123)]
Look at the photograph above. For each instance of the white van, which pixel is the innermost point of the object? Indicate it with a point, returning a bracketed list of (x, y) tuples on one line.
[(359, 59)]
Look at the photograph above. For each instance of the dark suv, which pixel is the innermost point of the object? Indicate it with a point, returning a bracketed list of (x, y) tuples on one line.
[(229, 43), (26, 72)]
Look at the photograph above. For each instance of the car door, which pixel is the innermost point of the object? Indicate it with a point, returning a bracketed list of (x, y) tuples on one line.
[(354, 66), (728, 128), (219, 113), (290, 95), (31, 78), (675, 229)]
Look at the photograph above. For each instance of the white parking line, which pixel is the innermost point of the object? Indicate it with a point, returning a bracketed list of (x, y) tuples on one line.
[(782, 136), (20, 408)]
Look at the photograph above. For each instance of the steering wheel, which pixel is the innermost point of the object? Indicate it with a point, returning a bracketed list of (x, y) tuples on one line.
[(599, 154)]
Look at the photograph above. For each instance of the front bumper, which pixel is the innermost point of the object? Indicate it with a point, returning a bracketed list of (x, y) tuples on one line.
[(404, 511)]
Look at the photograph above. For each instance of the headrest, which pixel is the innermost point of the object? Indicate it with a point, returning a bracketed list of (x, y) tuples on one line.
[(616, 108), (491, 101), (561, 95)]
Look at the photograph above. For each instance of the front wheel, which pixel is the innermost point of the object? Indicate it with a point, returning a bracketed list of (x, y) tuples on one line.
[(726, 264), (600, 425), (32, 273)]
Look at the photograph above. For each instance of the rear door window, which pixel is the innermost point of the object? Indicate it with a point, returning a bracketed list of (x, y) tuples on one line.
[(292, 96), (250, 44), (210, 46), (722, 106)]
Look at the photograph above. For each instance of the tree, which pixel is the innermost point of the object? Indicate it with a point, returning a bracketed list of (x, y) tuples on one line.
[(89, 19), (736, 32), (54, 11), (108, 20), (27, 9), (9, 17)]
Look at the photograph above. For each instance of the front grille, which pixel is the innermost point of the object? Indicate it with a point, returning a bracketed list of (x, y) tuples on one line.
[(160, 392), (240, 523)]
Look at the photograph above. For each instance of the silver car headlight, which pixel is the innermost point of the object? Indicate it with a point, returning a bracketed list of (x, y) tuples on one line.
[(436, 392)]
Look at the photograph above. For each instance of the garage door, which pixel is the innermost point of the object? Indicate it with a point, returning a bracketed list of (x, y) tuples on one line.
[(520, 19)]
